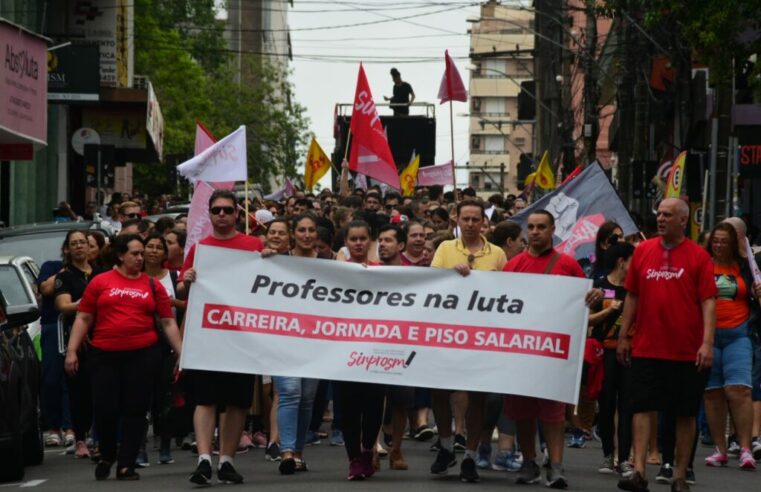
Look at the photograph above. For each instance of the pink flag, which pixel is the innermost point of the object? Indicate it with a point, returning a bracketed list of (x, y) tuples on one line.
[(199, 223), (435, 175), (370, 153), (451, 88)]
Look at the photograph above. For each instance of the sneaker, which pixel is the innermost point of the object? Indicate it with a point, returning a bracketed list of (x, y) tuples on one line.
[(129, 475), (367, 462), (484, 457), (165, 457), (755, 447), (445, 460), (468, 471), (259, 440), (187, 442), (506, 461), (734, 446), (312, 439), (53, 440), (635, 483), (746, 460), (142, 459), (529, 473), (102, 470), (202, 475), (577, 441), (460, 443), (436, 446), (355, 470), (717, 459), (423, 433), (80, 450), (68, 438), (227, 474), (245, 441), (556, 479), (607, 466), (690, 477), (287, 466), (625, 469), (336, 438), (272, 453), (665, 474), (301, 465)]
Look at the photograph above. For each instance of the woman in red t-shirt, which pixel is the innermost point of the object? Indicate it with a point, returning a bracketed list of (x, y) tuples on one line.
[(730, 381), (119, 306)]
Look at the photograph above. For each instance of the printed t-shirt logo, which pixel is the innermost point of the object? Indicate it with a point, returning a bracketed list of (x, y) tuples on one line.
[(127, 292), (664, 274)]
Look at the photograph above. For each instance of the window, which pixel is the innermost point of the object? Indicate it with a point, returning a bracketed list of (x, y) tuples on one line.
[(12, 286), (495, 144), (477, 104), (494, 105), (475, 181), (519, 141), (475, 143)]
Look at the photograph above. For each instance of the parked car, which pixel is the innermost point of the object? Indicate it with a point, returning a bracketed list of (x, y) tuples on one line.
[(41, 241), (21, 441), (18, 275)]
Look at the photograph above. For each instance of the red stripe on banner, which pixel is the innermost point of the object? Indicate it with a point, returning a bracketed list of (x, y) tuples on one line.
[(513, 340)]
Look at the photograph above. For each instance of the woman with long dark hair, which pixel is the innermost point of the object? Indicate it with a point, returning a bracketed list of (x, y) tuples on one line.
[(69, 287), (121, 308)]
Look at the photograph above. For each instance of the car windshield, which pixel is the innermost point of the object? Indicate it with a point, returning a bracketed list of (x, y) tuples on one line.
[(41, 247), (12, 286)]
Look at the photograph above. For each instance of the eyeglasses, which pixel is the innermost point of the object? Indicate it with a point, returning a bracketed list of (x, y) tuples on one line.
[(218, 210), (614, 238)]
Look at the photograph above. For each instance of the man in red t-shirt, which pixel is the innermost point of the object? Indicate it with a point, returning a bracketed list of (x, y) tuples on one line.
[(667, 336), (230, 391), (541, 257)]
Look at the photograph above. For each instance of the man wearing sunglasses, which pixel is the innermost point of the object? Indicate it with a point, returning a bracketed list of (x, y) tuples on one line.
[(129, 210), (231, 392)]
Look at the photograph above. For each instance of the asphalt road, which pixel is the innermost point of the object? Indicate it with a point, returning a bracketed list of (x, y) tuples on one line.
[(328, 468)]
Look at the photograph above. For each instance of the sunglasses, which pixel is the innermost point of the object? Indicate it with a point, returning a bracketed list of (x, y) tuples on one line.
[(614, 238), (133, 216), (218, 210)]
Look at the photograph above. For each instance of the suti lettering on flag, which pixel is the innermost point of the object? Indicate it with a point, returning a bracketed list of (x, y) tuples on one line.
[(316, 166), (408, 178)]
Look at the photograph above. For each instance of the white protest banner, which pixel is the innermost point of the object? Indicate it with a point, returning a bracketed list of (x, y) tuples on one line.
[(223, 161), (435, 175), (490, 331)]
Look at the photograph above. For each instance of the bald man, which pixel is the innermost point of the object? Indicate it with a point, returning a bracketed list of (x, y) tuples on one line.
[(666, 337)]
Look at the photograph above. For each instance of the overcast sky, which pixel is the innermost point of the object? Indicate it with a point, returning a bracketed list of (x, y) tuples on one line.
[(326, 61)]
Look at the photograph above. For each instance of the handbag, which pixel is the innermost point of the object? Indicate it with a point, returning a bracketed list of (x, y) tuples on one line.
[(163, 340)]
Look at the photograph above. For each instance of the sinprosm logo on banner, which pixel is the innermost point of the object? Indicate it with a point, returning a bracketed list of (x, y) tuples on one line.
[(388, 361)]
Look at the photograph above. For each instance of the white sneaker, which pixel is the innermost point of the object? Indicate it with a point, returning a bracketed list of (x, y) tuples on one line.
[(755, 448)]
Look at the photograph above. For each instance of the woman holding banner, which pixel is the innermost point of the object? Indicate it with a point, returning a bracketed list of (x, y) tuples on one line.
[(362, 403), (295, 394)]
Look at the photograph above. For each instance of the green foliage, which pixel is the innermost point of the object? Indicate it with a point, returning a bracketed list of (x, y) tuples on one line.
[(179, 46)]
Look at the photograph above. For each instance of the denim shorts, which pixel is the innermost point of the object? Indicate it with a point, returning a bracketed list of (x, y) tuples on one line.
[(732, 358)]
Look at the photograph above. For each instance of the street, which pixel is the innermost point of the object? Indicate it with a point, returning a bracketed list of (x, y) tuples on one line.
[(328, 468)]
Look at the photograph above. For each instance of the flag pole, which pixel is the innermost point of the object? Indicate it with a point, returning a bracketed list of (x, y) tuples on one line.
[(348, 141), (451, 138), (248, 228)]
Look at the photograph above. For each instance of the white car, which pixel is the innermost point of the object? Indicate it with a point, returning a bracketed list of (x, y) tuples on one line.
[(18, 275)]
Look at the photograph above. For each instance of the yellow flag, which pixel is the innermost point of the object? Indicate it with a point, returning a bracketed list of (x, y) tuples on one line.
[(676, 176), (545, 178), (408, 178), (316, 166)]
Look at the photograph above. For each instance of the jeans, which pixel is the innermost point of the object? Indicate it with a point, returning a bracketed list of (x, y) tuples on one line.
[(732, 358), (54, 394), (294, 410)]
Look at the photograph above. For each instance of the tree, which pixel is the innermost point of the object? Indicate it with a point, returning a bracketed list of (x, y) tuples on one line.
[(195, 81)]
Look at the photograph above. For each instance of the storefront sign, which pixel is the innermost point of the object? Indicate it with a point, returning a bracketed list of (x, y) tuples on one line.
[(23, 86), (73, 74)]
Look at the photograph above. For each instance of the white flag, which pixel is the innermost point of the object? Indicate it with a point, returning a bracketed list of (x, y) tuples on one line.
[(223, 161)]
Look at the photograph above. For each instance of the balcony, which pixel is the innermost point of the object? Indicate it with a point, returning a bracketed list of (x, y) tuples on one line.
[(497, 87)]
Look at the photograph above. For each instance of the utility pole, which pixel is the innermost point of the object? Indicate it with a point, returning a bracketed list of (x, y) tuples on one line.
[(548, 65), (626, 109), (591, 117)]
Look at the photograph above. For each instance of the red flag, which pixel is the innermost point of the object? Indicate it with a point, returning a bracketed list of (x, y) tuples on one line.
[(451, 88), (370, 153)]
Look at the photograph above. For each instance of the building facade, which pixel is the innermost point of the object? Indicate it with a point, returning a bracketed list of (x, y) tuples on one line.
[(501, 116)]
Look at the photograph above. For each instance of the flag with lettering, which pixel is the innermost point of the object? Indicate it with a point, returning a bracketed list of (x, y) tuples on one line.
[(580, 206), (223, 161), (676, 176), (440, 174), (316, 166), (370, 154), (451, 87)]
